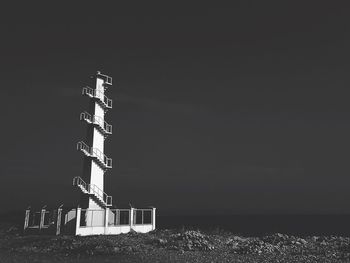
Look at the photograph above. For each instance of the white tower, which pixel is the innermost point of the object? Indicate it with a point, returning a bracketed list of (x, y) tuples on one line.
[(94, 215), (96, 162)]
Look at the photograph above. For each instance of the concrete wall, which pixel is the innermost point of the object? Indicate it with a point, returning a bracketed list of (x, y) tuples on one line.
[(97, 176), (112, 230)]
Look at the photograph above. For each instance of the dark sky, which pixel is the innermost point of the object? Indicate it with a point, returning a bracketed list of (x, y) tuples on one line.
[(240, 109)]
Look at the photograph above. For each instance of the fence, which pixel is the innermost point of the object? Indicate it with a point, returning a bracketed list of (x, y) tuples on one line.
[(142, 216), (43, 220), (90, 221), (118, 217), (91, 218), (114, 221)]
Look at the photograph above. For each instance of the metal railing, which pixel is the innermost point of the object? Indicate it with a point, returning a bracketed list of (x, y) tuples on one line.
[(78, 181), (34, 220), (42, 219), (107, 79), (92, 218), (94, 152), (107, 128), (142, 216), (94, 93), (116, 217), (119, 217), (93, 189)]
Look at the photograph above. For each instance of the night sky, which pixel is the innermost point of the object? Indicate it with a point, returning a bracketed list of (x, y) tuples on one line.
[(240, 109)]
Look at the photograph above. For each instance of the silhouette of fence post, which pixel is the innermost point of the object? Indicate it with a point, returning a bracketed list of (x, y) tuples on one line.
[(58, 222), (26, 219), (42, 218), (132, 211)]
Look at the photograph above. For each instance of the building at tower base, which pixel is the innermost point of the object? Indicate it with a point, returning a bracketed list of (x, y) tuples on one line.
[(73, 221)]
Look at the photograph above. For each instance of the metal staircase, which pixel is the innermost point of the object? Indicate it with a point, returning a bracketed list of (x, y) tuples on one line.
[(101, 197), (93, 148), (102, 125), (97, 94), (95, 153), (107, 79)]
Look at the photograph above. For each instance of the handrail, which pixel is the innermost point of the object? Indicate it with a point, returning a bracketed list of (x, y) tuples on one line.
[(93, 189), (107, 128), (140, 217), (107, 79), (98, 94), (94, 152)]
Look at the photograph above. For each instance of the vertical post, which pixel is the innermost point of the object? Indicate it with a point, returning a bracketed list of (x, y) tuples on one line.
[(131, 217), (77, 225), (26, 219), (58, 222), (42, 218), (106, 220), (106, 216), (153, 218)]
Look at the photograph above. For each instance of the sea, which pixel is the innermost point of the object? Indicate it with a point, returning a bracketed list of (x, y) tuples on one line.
[(259, 225), (245, 225)]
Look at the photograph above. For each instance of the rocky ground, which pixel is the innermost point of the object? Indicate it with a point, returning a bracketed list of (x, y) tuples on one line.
[(180, 245)]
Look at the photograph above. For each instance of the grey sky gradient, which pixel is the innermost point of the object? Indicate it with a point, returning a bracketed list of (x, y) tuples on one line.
[(240, 109)]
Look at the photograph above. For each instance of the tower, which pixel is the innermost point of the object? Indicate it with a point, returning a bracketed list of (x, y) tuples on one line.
[(96, 163), (94, 215)]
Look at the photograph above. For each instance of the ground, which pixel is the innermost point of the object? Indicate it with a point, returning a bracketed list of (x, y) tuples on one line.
[(176, 245)]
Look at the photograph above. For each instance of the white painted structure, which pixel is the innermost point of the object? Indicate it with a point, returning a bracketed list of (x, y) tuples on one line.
[(97, 218), (113, 225), (96, 162), (95, 215)]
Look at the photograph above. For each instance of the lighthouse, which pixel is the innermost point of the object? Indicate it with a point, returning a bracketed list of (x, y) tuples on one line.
[(94, 214), (96, 163)]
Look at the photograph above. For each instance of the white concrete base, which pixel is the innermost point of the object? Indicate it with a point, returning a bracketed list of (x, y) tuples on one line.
[(112, 230)]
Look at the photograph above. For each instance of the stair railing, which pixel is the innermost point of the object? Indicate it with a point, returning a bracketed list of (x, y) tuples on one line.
[(83, 147), (93, 189), (107, 79), (98, 94), (96, 120), (94, 152)]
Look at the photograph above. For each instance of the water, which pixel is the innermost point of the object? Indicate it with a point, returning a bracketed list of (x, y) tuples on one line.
[(257, 225), (248, 225)]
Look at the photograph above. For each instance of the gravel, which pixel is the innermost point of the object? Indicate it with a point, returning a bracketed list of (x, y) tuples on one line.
[(172, 246)]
